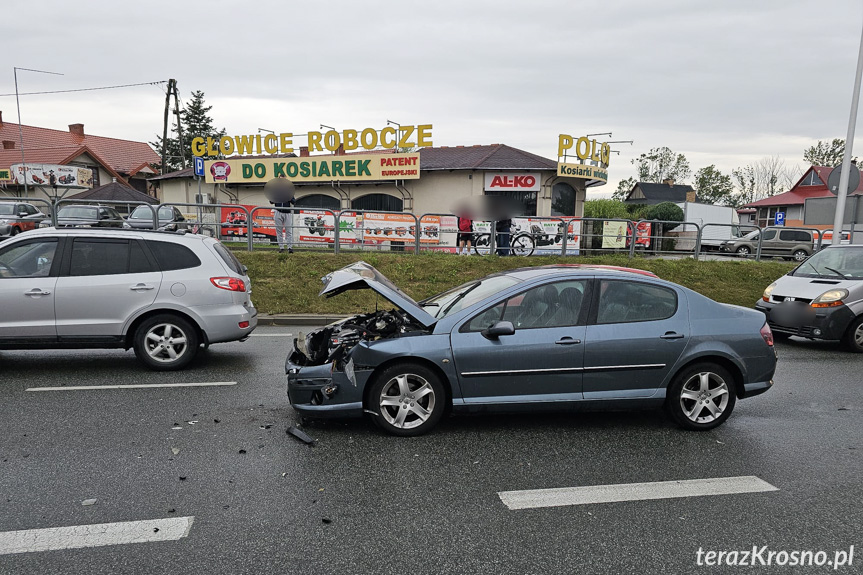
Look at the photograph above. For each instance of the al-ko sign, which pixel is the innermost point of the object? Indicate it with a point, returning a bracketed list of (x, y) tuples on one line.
[(586, 150), (511, 181), (367, 139), (354, 167)]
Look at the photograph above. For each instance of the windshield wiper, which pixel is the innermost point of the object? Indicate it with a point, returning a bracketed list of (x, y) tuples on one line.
[(457, 299), (837, 272)]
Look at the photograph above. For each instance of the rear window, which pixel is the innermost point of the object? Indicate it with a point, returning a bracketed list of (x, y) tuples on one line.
[(230, 259), (171, 256)]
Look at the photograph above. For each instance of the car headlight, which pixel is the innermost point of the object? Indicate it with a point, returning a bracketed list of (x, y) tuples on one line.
[(831, 298), (45, 224), (4, 222), (768, 291)]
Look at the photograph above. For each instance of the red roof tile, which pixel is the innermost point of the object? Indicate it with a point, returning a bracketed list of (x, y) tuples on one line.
[(120, 155)]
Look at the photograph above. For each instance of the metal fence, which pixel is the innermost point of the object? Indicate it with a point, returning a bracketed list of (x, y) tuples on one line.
[(368, 230)]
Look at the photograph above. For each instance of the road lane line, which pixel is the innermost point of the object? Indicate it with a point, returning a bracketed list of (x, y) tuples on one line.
[(271, 335), (533, 498), (97, 535), (132, 386)]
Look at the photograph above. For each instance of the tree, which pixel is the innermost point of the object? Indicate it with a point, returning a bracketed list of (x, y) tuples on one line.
[(824, 154), (662, 164), (196, 124), (603, 208), (763, 179), (623, 188), (712, 186), (744, 182), (667, 212)]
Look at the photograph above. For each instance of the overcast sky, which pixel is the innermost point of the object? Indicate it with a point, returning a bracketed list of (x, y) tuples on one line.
[(725, 83)]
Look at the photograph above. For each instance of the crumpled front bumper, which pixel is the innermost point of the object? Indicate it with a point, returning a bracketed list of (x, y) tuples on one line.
[(805, 321), (320, 391)]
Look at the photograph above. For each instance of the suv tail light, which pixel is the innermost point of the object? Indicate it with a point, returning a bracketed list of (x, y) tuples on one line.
[(230, 284), (767, 334)]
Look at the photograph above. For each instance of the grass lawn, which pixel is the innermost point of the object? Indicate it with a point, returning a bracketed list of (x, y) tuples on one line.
[(290, 283)]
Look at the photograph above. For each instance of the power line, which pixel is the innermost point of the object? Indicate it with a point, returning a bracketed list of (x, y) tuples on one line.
[(88, 89)]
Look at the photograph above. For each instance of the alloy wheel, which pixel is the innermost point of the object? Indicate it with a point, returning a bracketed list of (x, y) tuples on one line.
[(165, 342), (407, 401), (704, 397)]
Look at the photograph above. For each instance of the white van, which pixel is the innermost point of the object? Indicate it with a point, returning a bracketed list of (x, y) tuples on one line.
[(822, 298)]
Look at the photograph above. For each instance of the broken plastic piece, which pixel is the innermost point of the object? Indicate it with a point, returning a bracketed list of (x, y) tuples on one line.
[(301, 435), (88, 502)]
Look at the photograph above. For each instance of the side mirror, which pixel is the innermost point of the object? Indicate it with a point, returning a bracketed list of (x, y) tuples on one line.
[(23, 214), (498, 329)]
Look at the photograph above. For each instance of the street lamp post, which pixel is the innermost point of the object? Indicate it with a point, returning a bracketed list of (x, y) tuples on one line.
[(20, 130)]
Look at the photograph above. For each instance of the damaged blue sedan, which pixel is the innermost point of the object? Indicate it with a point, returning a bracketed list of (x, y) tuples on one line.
[(565, 337)]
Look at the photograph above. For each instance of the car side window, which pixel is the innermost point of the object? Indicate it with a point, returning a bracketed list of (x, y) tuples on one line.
[(171, 256), (98, 257), (551, 305), (625, 301), (795, 236), (486, 318), (28, 259), (769, 235)]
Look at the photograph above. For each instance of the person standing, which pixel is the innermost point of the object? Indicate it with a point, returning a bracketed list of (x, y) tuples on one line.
[(465, 235), (502, 227), (280, 192)]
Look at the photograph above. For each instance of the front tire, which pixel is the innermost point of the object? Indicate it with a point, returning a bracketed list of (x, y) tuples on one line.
[(743, 251), (853, 339), (701, 397), (166, 342), (407, 399), (800, 255)]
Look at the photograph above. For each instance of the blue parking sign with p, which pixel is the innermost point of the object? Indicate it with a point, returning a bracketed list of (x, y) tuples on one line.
[(780, 219), (199, 166)]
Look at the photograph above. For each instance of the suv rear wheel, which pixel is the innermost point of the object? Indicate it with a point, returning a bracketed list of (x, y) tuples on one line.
[(166, 342)]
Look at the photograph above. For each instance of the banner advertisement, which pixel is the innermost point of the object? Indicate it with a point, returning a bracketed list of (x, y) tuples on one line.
[(345, 168), (318, 227), (379, 228), (53, 175), (642, 235), (546, 236), (614, 235), (597, 175)]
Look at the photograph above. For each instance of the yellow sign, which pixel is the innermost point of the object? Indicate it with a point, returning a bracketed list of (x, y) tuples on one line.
[(583, 171), (368, 139), (349, 168), (584, 149), (5, 174), (614, 234)]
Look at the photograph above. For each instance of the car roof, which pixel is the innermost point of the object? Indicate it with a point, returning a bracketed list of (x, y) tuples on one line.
[(537, 271), (113, 232)]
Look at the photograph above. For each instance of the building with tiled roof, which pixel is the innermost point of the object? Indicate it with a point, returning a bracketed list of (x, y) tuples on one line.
[(115, 192), (448, 175), (110, 158), (813, 184), (650, 194)]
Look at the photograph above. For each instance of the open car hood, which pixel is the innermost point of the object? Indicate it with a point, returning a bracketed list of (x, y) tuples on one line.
[(361, 275)]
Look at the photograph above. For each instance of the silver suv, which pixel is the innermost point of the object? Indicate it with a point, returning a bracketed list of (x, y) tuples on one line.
[(163, 294)]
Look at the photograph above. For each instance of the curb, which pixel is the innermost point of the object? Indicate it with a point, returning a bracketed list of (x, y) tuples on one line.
[(305, 319)]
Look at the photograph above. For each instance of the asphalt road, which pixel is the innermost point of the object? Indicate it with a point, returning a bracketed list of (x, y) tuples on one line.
[(361, 502)]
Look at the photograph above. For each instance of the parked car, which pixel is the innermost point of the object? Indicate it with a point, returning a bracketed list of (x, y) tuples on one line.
[(828, 238), (163, 294), (551, 337), (822, 298), (170, 218), (87, 216), (17, 217), (789, 243)]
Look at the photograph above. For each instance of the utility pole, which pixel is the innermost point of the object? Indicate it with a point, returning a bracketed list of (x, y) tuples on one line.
[(842, 194), (179, 125), (165, 126)]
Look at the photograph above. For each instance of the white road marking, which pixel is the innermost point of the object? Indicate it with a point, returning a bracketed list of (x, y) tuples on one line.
[(98, 535), (533, 498), (271, 335), (132, 386)]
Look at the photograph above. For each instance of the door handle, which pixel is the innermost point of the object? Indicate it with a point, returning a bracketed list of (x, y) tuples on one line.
[(37, 292), (672, 335), (567, 341), (141, 287)]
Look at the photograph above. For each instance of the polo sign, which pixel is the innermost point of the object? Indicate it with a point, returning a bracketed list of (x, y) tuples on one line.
[(509, 181)]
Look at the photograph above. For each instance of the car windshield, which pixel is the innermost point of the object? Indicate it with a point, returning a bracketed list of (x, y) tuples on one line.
[(145, 213), (753, 235), (466, 295), (7, 209), (845, 263), (77, 212)]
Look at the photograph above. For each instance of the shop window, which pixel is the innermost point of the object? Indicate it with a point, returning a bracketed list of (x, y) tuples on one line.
[(563, 198), (526, 199), (378, 203), (320, 202)]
